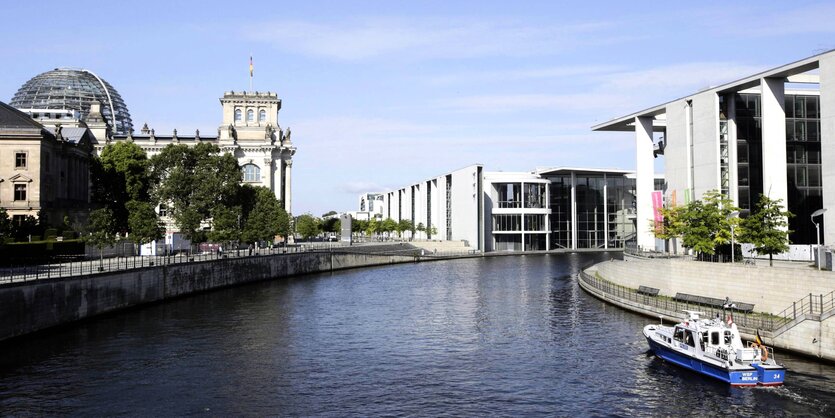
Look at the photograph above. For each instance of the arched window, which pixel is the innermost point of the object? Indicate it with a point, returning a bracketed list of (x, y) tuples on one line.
[(262, 116), (250, 116), (251, 173), (237, 115)]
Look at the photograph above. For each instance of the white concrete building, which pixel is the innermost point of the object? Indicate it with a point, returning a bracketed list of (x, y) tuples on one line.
[(558, 208), (769, 133)]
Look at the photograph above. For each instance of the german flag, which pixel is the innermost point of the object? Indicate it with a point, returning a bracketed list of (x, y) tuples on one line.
[(759, 340), (250, 66)]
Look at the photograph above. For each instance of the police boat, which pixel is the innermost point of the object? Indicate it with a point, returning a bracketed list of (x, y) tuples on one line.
[(713, 347)]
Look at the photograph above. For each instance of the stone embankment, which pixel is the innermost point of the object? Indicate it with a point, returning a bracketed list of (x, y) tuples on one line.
[(35, 305), (794, 307)]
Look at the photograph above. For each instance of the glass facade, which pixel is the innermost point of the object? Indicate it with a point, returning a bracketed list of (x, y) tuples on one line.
[(620, 203), (74, 90), (590, 211), (803, 165), (509, 195), (749, 150), (534, 195), (561, 213)]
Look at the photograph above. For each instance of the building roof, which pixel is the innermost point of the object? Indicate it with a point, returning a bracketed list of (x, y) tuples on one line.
[(566, 170), (626, 123), (13, 118), (71, 134), (74, 89)]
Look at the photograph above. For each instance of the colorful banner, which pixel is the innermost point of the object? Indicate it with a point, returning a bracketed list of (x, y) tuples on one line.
[(657, 204), (673, 201), (686, 196)]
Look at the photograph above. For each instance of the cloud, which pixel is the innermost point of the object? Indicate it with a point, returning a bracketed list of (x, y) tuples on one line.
[(359, 39), (357, 187), (524, 74)]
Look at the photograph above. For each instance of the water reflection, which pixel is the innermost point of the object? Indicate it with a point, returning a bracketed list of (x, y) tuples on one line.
[(496, 336)]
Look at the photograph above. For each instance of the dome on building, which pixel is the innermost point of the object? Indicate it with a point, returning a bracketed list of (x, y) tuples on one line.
[(74, 89)]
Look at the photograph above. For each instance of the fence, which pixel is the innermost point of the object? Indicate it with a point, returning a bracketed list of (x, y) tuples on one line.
[(746, 320), (25, 273)]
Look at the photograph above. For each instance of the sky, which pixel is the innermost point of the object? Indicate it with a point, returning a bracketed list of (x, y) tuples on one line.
[(383, 94)]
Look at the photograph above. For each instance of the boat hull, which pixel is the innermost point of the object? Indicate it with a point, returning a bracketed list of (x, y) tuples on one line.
[(734, 377)]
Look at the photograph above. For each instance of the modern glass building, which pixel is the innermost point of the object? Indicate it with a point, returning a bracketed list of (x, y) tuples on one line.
[(769, 133), (73, 90)]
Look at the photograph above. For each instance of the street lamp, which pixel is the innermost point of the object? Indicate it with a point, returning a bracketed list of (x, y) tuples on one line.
[(732, 215), (818, 212)]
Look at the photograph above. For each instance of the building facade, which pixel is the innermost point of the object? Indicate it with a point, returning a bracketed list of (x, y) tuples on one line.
[(771, 133), (549, 209), (43, 172), (249, 128)]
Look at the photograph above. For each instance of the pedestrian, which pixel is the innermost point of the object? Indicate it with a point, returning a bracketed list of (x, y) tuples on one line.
[(250, 249)]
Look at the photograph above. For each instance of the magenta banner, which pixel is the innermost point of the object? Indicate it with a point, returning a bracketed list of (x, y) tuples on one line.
[(657, 204)]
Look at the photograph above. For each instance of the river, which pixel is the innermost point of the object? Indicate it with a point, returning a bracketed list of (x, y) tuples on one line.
[(505, 336)]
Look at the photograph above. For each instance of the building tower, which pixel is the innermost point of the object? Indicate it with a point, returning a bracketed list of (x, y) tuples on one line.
[(250, 131)]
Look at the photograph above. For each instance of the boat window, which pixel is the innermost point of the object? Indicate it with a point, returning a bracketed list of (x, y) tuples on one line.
[(679, 335), (689, 340), (714, 338), (703, 340), (728, 337)]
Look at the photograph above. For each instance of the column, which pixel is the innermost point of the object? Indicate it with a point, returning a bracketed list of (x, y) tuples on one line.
[(278, 179), (774, 140), (605, 211), (733, 164), (288, 183), (267, 173), (573, 211), (644, 179), (827, 103)]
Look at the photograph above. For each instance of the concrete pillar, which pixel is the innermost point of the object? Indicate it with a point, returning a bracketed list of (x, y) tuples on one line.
[(827, 103), (644, 180), (705, 153), (267, 173), (774, 139), (605, 212), (573, 211), (733, 164), (288, 190)]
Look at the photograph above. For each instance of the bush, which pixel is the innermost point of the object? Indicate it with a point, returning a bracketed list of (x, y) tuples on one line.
[(39, 251)]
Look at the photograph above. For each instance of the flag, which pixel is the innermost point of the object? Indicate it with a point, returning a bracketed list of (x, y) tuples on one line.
[(250, 66), (759, 340), (730, 320)]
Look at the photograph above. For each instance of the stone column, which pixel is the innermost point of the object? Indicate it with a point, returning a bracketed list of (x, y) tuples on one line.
[(644, 180), (288, 190), (774, 140), (827, 103), (267, 173)]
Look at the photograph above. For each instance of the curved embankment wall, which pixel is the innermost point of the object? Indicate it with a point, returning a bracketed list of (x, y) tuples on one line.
[(771, 289), (37, 305)]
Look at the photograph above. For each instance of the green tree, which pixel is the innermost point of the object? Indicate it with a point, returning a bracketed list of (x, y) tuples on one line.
[(330, 224), (767, 228), (101, 230), (5, 227), (388, 226), (702, 224), (329, 213), (406, 225), (431, 231), (225, 224), (420, 227), (143, 222), (194, 181), (267, 218), (120, 175), (307, 226)]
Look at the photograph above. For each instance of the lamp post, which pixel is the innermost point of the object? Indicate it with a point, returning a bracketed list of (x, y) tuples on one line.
[(816, 213), (732, 215)]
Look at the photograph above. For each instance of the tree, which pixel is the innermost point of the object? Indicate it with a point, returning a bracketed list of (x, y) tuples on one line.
[(329, 213), (120, 175), (420, 227), (330, 225), (225, 224), (143, 222), (702, 224), (406, 225), (267, 219), (5, 227), (102, 229), (767, 228), (431, 231), (307, 226), (194, 181), (388, 226)]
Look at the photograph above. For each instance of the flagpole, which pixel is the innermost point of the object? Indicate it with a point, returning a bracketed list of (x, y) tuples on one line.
[(250, 71)]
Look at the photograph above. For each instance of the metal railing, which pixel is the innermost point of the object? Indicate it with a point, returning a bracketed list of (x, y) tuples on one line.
[(808, 305), (746, 320), (70, 268)]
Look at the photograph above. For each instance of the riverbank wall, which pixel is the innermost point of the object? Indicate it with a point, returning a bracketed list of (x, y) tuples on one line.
[(41, 304), (794, 308)]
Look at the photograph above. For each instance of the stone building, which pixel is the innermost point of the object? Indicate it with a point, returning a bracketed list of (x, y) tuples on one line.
[(43, 171)]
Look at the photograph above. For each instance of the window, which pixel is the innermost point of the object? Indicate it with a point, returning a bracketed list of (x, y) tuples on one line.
[(238, 115), (19, 192), (20, 160), (252, 173), (250, 116), (262, 116), (163, 210), (714, 338)]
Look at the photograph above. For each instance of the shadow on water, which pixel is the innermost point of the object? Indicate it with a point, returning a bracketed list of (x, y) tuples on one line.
[(494, 336)]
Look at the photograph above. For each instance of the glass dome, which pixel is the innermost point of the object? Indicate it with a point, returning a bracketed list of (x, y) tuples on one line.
[(74, 89)]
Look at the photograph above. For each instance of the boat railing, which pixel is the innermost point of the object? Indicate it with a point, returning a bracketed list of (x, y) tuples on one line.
[(718, 352), (751, 321)]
